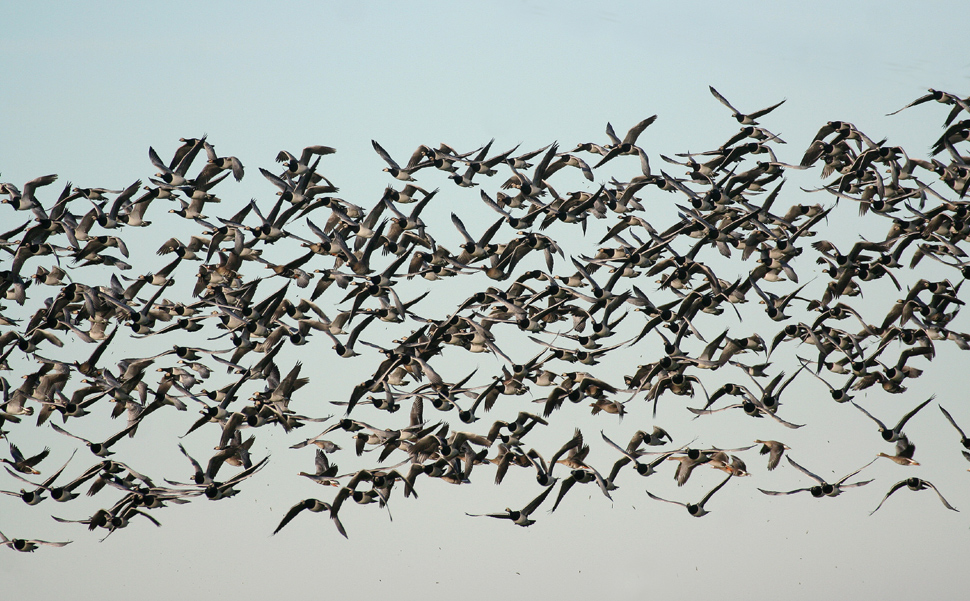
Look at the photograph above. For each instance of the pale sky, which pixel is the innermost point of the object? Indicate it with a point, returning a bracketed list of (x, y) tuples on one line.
[(86, 90)]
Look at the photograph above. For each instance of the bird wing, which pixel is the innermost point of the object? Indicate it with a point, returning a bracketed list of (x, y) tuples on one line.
[(534, 504), (566, 485), (790, 492), (723, 100), (653, 496), (805, 471), (292, 513), (856, 472), (765, 111), (881, 425), (895, 487), (636, 130), (66, 433), (714, 490), (952, 421), (387, 158), (906, 417), (945, 503)]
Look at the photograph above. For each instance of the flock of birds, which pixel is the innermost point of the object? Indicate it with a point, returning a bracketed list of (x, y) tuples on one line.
[(347, 279)]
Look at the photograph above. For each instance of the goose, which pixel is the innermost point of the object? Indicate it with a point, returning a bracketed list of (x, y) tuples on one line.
[(822, 488), (941, 97), (690, 459), (315, 506), (914, 484), (221, 490), (731, 464), (904, 452), (741, 118), (27, 200), (895, 433), (543, 471), (696, 510), (486, 166), (628, 144), (473, 250), (565, 159), (393, 169), (298, 166), (774, 450), (444, 157), (27, 546), (633, 454), (519, 517), (24, 465), (101, 449), (216, 164), (181, 161), (35, 496)]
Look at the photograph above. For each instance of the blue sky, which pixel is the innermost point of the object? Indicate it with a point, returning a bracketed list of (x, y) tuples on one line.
[(86, 89)]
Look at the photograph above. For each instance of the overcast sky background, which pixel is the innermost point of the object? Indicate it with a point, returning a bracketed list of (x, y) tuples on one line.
[(86, 90)]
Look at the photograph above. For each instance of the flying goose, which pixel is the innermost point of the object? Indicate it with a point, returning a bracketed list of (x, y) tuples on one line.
[(696, 510)]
